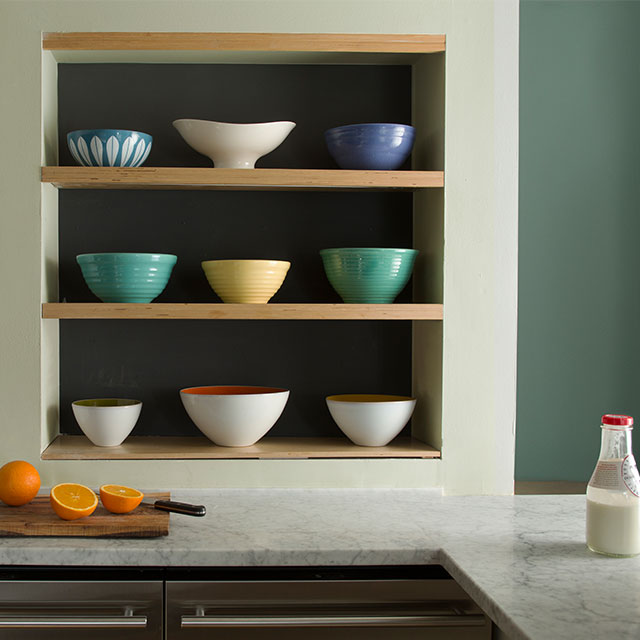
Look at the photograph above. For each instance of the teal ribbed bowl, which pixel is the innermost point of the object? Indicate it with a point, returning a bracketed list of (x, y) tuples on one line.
[(368, 275), (126, 277)]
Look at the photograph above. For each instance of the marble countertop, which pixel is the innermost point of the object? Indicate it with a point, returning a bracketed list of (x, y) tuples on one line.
[(523, 559)]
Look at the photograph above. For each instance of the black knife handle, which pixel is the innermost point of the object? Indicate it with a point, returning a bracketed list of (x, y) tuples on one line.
[(181, 507)]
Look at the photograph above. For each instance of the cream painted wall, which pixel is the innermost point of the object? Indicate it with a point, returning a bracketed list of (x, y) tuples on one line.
[(480, 235)]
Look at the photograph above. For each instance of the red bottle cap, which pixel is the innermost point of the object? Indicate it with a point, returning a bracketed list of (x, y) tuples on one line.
[(617, 420)]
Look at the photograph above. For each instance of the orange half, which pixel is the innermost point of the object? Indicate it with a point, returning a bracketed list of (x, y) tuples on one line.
[(71, 501), (119, 499)]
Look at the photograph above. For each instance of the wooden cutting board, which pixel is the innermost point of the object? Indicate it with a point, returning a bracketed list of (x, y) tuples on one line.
[(38, 519)]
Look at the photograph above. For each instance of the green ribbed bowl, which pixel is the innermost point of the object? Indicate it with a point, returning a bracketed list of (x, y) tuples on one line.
[(368, 275), (126, 277)]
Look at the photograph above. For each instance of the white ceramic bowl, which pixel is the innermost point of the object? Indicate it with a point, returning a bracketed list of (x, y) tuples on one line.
[(231, 145), (234, 416), (107, 421), (371, 420)]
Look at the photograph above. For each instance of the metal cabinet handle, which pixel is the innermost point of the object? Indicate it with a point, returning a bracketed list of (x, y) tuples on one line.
[(80, 622), (471, 620)]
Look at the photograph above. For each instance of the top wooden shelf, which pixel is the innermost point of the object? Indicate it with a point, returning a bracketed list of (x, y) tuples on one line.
[(237, 179), (283, 42)]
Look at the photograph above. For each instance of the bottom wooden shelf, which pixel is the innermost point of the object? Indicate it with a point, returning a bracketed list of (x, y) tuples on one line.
[(180, 448)]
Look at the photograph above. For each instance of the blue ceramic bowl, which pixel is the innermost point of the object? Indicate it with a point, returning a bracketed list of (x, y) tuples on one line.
[(109, 147), (126, 277), (382, 146), (368, 275)]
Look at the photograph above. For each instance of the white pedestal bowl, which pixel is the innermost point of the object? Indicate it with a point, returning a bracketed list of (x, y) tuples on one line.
[(230, 145)]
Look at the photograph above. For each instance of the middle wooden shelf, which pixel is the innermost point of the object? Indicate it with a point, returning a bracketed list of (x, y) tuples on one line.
[(223, 311), (238, 179)]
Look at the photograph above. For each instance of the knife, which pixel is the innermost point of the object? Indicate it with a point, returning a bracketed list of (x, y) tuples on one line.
[(179, 507)]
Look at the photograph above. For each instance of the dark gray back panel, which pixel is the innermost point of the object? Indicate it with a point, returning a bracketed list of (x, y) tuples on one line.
[(210, 225), (149, 97), (152, 360)]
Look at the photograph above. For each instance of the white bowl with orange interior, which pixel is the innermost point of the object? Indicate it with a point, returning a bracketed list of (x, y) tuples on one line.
[(234, 416)]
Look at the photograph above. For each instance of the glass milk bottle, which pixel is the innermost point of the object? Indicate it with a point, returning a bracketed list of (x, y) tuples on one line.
[(613, 493)]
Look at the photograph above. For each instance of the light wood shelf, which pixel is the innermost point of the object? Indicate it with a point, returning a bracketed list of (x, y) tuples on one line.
[(220, 311), (194, 41), (237, 179), (199, 448)]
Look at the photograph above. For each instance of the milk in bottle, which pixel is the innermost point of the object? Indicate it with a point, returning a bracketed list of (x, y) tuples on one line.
[(613, 493)]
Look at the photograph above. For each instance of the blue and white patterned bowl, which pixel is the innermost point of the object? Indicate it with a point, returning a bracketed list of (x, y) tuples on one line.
[(109, 147)]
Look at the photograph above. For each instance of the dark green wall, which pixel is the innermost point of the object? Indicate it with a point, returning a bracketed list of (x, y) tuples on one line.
[(579, 229)]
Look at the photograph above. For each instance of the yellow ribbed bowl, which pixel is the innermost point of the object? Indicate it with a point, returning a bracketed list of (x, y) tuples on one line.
[(246, 281)]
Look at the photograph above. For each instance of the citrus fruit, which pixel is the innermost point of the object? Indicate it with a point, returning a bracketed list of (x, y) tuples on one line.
[(19, 483), (119, 499), (72, 501)]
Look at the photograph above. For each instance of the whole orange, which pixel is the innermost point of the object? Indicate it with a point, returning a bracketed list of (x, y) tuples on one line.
[(19, 483)]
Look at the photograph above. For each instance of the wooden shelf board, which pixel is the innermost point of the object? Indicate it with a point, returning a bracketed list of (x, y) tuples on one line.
[(212, 56), (193, 41), (66, 447), (222, 311), (237, 179)]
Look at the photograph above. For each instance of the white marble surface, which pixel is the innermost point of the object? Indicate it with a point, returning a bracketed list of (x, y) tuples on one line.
[(523, 558)]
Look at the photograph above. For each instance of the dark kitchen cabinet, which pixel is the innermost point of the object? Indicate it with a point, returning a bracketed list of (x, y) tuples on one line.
[(403, 603)]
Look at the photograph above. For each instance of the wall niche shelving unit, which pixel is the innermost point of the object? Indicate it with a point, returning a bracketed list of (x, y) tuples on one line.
[(422, 186)]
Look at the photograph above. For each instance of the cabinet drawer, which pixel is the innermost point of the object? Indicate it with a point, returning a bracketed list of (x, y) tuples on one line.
[(58, 610), (340, 610)]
